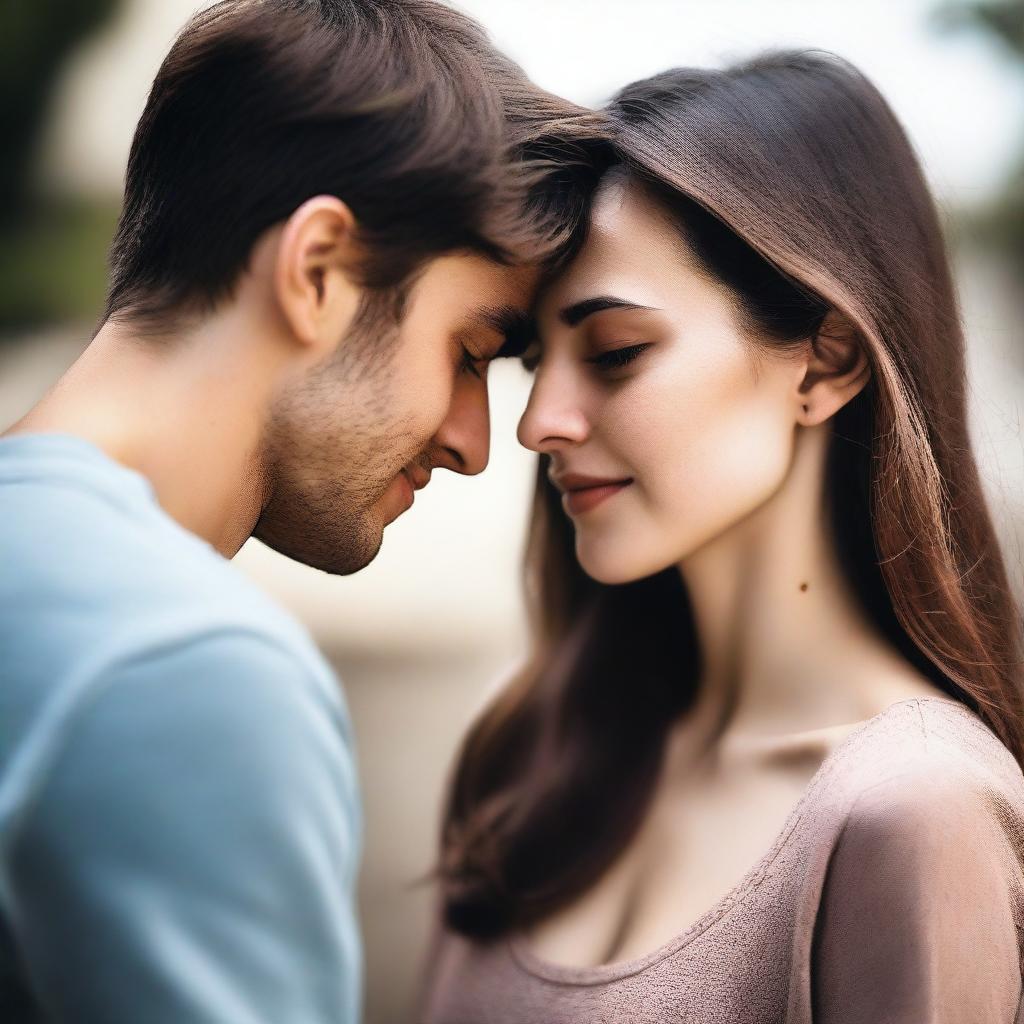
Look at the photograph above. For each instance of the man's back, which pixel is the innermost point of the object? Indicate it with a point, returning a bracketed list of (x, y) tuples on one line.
[(176, 771)]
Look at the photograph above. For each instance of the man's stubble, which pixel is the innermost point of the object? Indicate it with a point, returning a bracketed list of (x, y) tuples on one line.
[(332, 446)]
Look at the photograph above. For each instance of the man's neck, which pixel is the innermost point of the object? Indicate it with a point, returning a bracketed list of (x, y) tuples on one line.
[(186, 412)]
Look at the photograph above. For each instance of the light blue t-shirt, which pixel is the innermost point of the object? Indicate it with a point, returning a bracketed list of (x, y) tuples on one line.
[(180, 824)]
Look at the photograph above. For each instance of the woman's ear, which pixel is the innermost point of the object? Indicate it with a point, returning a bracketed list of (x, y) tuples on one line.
[(312, 279), (836, 371)]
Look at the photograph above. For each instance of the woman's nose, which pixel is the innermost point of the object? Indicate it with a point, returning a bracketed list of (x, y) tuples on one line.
[(554, 417)]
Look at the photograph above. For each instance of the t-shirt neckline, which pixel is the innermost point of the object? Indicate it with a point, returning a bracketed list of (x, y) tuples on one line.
[(39, 452), (566, 974)]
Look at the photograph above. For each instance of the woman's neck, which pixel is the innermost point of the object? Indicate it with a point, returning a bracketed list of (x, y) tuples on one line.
[(778, 622)]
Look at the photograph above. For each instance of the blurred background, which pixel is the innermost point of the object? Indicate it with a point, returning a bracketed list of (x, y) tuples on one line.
[(422, 636)]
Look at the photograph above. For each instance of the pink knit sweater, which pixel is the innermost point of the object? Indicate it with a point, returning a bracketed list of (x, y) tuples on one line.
[(894, 894)]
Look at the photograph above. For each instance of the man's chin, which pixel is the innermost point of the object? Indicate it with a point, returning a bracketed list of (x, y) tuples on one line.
[(354, 562), (339, 556)]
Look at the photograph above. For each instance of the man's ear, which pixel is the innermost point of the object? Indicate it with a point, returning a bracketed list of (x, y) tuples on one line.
[(837, 369), (312, 272)]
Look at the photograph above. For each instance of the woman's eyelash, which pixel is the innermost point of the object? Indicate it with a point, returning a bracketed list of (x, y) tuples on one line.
[(611, 360), (618, 357)]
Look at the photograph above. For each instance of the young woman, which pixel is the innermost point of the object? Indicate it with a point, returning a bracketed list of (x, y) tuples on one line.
[(764, 763)]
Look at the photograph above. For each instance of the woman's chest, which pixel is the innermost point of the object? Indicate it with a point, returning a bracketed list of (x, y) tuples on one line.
[(698, 843), (738, 969)]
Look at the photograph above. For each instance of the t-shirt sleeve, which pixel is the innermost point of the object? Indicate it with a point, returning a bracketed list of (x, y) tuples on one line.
[(917, 921), (190, 855)]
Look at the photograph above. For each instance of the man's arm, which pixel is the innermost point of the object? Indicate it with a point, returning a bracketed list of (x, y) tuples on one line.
[(190, 855)]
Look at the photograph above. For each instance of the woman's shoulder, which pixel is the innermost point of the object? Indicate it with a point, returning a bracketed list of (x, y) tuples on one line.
[(944, 741), (954, 732), (932, 767), (922, 888)]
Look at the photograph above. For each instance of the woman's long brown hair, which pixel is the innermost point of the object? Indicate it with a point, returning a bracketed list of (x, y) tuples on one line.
[(801, 167)]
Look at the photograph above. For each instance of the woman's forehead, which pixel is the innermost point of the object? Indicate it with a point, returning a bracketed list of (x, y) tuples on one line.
[(631, 250)]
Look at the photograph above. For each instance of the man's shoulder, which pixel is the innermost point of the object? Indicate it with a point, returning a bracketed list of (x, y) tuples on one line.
[(205, 791), (173, 749), (106, 546), (226, 727), (93, 584), (117, 623), (229, 685)]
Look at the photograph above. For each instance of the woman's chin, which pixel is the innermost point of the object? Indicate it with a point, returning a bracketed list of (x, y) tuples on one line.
[(613, 565)]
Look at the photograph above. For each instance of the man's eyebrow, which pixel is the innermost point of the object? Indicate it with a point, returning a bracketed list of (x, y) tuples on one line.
[(575, 314), (516, 326)]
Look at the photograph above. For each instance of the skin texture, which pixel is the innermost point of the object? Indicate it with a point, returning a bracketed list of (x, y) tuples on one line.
[(287, 412), (725, 440)]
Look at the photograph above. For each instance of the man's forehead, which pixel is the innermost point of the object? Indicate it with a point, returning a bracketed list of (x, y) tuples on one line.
[(485, 296)]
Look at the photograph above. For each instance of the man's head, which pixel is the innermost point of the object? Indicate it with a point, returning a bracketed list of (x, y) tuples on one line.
[(404, 393), (366, 188)]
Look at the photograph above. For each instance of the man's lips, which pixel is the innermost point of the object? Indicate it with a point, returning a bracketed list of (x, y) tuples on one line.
[(582, 493), (415, 480), (419, 478)]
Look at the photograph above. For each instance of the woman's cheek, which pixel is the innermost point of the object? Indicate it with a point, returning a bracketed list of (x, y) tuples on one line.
[(706, 457), (643, 433)]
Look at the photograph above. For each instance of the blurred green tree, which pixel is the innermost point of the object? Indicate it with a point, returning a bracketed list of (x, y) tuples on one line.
[(1003, 21), (49, 246)]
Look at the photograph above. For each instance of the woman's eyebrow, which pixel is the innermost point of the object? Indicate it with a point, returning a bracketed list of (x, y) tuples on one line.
[(575, 314)]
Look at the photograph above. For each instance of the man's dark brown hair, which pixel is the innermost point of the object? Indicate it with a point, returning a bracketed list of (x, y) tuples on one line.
[(401, 108)]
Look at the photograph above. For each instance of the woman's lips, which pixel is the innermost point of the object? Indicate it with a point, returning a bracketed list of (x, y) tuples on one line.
[(581, 494)]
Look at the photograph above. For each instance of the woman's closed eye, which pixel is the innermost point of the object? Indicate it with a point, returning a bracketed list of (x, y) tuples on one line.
[(616, 358), (608, 361)]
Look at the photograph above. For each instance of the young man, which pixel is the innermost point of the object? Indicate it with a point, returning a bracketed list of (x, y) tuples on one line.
[(332, 222)]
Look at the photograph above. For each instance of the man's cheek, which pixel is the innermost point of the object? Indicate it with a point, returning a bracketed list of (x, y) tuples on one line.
[(430, 399)]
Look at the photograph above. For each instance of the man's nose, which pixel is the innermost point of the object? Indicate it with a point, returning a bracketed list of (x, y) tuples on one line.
[(464, 438)]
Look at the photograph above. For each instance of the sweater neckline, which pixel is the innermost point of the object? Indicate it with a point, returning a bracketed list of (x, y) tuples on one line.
[(567, 974)]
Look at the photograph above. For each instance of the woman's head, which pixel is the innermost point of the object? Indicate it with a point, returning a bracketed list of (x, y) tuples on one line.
[(675, 364), (776, 217)]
